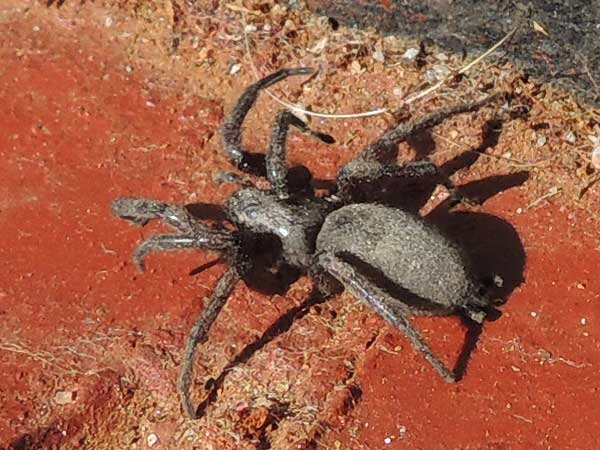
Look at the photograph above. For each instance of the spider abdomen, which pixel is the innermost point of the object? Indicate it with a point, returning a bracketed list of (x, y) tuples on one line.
[(408, 257)]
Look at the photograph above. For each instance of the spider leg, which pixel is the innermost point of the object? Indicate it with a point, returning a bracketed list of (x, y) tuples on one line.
[(140, 211), (223, 176), (377, 299), (231, 130), (369, 162), (199, 332), (359, 172), (277, 169), (192, 233), (218, 240)]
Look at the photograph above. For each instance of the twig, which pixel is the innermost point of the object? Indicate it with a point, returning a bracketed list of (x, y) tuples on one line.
[(513, 162), (524, 419), (298, 108), (551, 193), (375, 112), (463, 70), (41, 356), (587, 187)]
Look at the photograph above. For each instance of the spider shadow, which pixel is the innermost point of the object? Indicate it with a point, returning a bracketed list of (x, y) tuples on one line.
[(413, 194), (494, 248), (299, 179), (277, 328), (492, 244)]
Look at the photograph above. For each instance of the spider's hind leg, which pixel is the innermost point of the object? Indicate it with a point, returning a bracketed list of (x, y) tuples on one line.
[(380, 301), (370, 164), (358, 174)]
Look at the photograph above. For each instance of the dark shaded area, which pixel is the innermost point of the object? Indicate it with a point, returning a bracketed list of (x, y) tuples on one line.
[(207, 211), (267, 273), (569, 56), (413, 194), (50, 437), (58, 3), (280, 326), (474, 330)]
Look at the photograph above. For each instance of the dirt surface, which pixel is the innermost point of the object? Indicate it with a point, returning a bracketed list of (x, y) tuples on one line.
[(125, 98), (557, 41)]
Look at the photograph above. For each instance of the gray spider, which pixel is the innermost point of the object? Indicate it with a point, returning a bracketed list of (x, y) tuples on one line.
[(391, 259)]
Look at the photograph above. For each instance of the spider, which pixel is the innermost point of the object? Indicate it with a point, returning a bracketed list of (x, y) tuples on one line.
[(390, 259)]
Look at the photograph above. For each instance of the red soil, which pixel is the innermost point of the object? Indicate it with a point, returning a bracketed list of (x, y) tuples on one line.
[(87, 345)]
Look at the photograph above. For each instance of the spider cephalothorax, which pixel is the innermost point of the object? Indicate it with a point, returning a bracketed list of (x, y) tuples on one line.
[(391, 259)]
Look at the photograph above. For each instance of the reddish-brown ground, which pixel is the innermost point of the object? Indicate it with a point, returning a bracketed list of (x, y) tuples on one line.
[(90, 349)]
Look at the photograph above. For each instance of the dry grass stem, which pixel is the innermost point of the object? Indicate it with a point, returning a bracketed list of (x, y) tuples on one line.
[(375, 112)]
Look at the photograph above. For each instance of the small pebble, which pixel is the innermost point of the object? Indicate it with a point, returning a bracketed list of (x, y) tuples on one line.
[(36, 28), (596, 157), (570, 137), (498, 281), (387, 440), (533, 314), (541, 140), (108, 22), (378, 56), (64, 397), (289, 25), (128, 69), (583, 321), (235, 68), (152, 440), (519, 210), (356, 68), (431, 76), (411, 53)]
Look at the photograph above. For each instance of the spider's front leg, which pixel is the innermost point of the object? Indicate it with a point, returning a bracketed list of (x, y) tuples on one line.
[(231, 130), (277, 169), (191, 233), (140, 211), (380, 301)]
